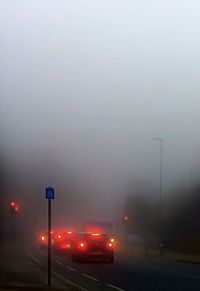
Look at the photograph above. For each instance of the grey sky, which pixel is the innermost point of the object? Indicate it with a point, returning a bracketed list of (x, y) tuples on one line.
[(93, 82)]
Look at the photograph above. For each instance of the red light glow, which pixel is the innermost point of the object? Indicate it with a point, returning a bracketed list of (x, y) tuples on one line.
[(12, 204), (82, 245), (110, 245)]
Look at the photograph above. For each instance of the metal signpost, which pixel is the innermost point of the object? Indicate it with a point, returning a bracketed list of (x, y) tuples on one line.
[(49, 196)]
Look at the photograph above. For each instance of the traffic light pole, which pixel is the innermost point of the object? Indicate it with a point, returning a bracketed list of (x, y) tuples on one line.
[(13, 226), (14, 211), (49, 242)]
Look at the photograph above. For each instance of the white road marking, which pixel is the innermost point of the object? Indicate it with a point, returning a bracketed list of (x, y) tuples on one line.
[(69, 282), (115, 287), (58, 262), (92, 278), (71, 269), (34, 259)]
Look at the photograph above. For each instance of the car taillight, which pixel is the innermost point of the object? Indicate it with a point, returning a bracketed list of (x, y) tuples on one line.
[(82, 245), (110, 245), (59, 236), (69, 232), (66, 246), (42, 238)]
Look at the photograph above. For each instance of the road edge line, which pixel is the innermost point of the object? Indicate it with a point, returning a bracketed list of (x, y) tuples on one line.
[(114, 287), (90, 277), (59, 277)]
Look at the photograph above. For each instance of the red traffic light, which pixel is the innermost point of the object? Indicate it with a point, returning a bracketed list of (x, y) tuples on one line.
[(17, 208), (13, 204), (14, 207), (125, 219)]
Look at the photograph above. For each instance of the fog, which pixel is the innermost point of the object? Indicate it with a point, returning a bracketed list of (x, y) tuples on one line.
[(85, 87)]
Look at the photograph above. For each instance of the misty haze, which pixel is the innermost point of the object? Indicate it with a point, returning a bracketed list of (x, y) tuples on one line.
[(101, 101)]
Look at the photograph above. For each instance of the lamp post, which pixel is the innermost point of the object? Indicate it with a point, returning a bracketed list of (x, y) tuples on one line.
[(160, 140)]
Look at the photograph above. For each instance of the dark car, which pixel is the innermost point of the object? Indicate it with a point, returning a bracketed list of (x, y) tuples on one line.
[(63, 241), (92, 247)]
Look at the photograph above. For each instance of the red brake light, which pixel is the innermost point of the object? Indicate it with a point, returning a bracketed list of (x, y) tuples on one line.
[(59, 236), (66, 246), (42, 238), (82, 245), (95, 234), (69, 232), (110, 245)]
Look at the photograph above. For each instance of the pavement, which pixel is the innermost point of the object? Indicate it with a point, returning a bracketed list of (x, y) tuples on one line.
[(19, 272), (130, 272), (155, 253)]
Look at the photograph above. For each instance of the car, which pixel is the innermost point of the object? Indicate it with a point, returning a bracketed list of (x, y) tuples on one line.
[(63, 241), (93, 247)]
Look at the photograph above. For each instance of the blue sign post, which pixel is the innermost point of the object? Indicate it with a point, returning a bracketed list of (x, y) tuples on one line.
[(49, 194)]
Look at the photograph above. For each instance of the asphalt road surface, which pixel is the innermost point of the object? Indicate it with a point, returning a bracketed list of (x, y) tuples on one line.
[(129, 272)]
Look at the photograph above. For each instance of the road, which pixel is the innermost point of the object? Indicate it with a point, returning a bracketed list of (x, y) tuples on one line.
[(130, 273)]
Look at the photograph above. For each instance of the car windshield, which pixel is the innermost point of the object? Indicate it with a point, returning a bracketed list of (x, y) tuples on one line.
[(100, 145)]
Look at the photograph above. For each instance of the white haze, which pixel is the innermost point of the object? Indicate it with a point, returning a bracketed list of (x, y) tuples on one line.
[(92, 82)]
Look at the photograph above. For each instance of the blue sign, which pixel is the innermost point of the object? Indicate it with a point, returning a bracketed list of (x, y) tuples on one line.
[(49, 193)]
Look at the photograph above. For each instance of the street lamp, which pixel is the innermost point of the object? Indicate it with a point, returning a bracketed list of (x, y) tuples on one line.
[(160, 140)]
